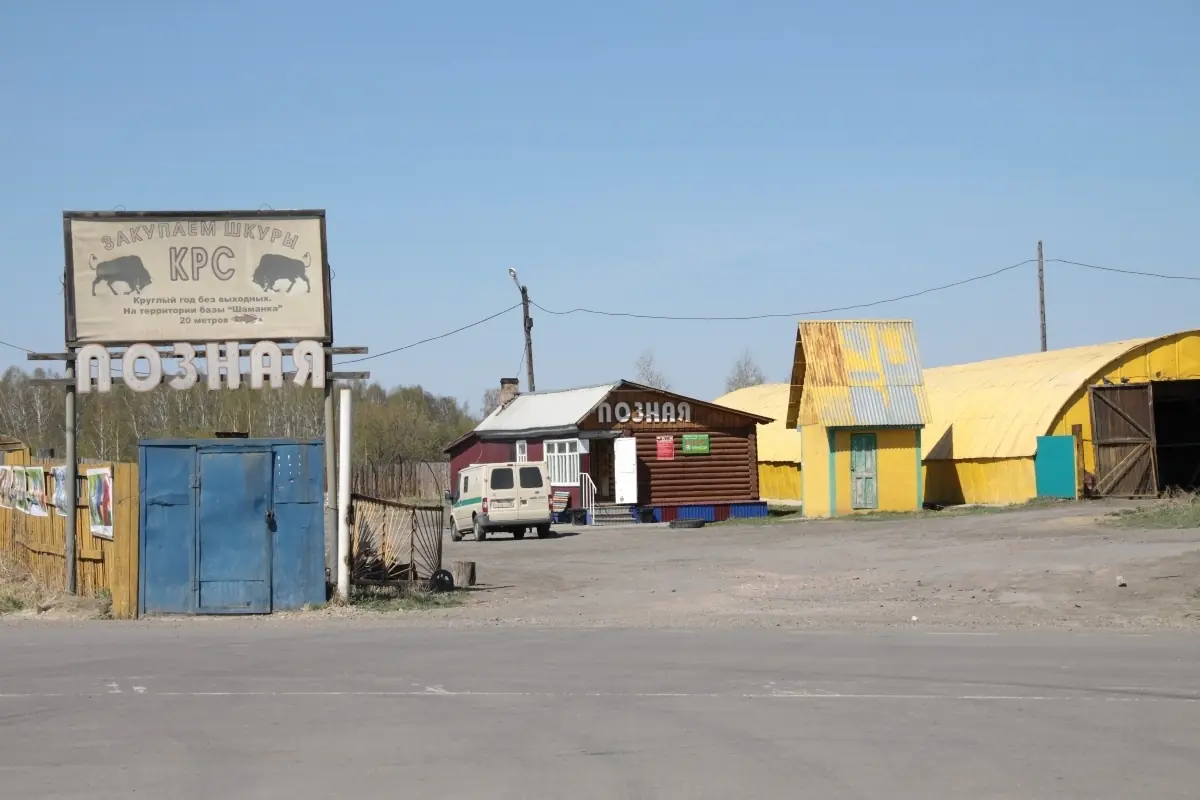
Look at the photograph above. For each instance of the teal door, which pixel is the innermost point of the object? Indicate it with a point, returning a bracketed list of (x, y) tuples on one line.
[(864, 478)]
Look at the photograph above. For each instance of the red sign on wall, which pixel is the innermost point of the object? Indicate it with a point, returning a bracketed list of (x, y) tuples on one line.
[(666, 448)]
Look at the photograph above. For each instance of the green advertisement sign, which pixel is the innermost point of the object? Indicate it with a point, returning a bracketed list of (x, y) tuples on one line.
[(695, 444)]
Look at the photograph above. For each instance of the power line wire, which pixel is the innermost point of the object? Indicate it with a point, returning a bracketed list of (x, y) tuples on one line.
[(1125, 271), (748, 317), (790, 314), (431, 338)]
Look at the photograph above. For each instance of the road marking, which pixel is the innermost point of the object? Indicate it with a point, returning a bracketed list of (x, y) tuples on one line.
[(959, 633), (776, 695)]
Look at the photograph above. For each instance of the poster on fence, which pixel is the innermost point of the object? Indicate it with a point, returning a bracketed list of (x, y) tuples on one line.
[(19, 495), (100, 501), (60, 489), (6, 498), (35, 483)]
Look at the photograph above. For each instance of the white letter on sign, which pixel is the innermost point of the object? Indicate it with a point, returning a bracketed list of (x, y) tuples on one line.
[(88, 355), (231, 362), (142, 383), (187, 376), (270, 351), (310, 360), (622, 412)]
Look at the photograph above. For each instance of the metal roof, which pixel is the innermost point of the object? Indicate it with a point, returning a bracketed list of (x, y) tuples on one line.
[(998, 408), (776, 441), (857, 373), (544, 411)]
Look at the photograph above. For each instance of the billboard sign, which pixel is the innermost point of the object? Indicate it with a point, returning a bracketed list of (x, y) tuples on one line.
[(165, 277)]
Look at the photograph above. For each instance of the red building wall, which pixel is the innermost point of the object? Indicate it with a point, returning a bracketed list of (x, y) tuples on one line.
[(493, 452)]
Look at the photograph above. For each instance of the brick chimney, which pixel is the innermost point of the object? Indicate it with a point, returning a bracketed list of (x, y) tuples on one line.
[(509, 389)]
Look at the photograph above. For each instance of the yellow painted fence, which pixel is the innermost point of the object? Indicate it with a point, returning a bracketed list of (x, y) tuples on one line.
[(101, 565)]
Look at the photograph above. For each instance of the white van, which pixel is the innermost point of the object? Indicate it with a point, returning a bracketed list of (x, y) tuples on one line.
[(501, 497)]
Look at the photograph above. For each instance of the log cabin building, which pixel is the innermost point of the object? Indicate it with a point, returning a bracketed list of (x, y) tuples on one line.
[(622, 451)]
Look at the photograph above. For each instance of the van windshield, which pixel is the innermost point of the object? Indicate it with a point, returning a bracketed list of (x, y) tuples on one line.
[(502, 478), (531, 478)]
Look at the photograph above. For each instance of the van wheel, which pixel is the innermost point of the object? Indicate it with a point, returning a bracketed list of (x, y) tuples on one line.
[(480, 533), (543, 531), (455, 533), (519, 534)]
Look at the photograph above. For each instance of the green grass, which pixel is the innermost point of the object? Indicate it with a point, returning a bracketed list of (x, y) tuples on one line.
[(10, 603), (380, 599), (1174, 513)]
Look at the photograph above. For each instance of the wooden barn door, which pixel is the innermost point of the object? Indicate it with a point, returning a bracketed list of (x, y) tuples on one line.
[(1123, 437)]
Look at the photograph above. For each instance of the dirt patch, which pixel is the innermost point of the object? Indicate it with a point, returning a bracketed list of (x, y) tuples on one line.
[(22, 597)]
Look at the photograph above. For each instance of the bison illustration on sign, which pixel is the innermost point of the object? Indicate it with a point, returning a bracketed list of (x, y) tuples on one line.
[(128, 270), (273, 268)]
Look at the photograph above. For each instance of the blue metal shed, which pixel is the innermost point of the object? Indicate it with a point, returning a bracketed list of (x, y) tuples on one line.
[(231, 526)]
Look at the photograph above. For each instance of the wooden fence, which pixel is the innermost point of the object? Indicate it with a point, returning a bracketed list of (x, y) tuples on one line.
[(101, 564), (411, 480)]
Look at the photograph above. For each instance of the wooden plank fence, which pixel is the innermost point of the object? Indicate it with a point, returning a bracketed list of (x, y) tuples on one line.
[(101, 564), (410, 480)]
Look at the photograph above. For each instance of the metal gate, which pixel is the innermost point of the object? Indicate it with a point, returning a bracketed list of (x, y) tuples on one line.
[(394, 543), (1123, 438)]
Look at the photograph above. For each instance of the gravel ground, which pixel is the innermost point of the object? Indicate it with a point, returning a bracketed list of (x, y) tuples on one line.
[(1055, 567), (1052, 567)]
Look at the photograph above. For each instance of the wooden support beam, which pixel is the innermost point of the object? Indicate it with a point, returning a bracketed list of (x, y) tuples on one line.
[(286, 349), (118, 380)]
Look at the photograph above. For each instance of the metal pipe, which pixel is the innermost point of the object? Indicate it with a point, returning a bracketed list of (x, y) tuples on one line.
[(345, 443), (331, 515), (72, 476)]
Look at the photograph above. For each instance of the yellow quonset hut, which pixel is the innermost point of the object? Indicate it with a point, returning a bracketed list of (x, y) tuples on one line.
[(1133, 408), (858, 397), (778, 444)]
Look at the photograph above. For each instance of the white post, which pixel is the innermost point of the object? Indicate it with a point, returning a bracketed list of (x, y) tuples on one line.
[(345, 441)]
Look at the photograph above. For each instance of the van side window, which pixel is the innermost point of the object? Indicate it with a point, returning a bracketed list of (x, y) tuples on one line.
[(531, 478), (502, 478), (466, 483)]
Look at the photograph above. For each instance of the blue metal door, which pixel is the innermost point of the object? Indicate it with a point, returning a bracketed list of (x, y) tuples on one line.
[(168, 530), (233, 532)]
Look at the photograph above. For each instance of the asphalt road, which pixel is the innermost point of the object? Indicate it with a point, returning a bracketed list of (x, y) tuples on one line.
[(242, 709)]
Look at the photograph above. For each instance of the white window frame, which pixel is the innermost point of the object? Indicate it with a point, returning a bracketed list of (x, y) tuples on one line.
[(522, 451), (562, 461)]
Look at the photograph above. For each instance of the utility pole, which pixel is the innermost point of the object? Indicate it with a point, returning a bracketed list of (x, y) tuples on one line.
[(528, 329), (72, 476), (1042, 293)]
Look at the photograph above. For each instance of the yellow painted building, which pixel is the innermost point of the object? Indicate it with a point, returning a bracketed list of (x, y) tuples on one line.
[(1128, 405), (778, 445), (858, 397)]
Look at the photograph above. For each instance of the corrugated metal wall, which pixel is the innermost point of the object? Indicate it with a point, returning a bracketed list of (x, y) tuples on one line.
[(780, 481)]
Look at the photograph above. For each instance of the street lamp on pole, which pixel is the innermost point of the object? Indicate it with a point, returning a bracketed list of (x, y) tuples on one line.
[(512, 273)]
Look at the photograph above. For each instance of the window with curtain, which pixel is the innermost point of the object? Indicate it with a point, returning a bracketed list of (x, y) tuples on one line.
[(562, 461)]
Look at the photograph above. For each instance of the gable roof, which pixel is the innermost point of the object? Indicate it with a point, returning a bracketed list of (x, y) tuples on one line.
[(855, 373), (539, 414)]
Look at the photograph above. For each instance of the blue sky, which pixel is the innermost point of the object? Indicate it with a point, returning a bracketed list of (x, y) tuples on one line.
[(656, 157)]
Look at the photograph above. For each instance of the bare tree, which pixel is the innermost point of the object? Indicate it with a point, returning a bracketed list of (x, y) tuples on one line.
[(745, 372), (646, 372), (491, 400)]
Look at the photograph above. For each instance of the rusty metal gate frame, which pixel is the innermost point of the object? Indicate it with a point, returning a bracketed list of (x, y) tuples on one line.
[(1144, 446), (394, 543)]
